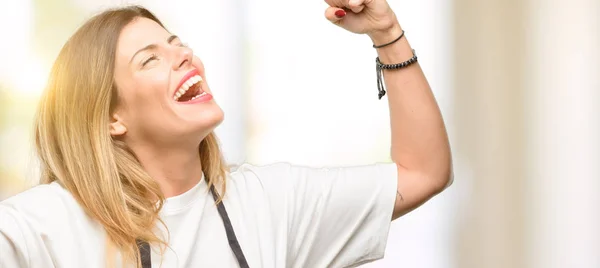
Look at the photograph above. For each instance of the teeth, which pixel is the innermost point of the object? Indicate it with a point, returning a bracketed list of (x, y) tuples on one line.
[(199, 95), (190, 82), (182, 90)]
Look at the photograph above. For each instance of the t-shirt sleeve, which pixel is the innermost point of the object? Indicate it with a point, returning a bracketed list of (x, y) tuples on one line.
[(13, 250), (335, 217)]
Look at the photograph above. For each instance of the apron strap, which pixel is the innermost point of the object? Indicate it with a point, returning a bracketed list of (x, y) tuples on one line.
[(231, 238), (144, 247)]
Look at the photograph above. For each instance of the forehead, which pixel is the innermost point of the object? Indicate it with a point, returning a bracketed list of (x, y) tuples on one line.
[(139, 33)]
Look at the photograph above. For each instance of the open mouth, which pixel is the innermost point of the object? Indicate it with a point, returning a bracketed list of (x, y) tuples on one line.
[(190, 90)]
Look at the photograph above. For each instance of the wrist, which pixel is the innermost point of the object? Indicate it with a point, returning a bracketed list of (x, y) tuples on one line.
[(386, 35), (398, 51)]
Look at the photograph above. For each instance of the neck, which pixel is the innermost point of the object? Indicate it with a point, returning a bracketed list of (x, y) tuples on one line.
[(175, 169)]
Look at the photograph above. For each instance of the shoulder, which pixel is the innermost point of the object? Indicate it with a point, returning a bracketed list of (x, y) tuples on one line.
[(46, 225), (266, 188), (43, 210), (283, 170), (258, 178), (278, 176), (26, 219), (283, 178), (42, 201), (278, 171), (248, 169)]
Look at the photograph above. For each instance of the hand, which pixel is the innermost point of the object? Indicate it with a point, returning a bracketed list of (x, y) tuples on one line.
[(372, 17)]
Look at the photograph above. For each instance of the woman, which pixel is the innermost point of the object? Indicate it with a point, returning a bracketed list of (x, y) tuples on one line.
[(133, 176)]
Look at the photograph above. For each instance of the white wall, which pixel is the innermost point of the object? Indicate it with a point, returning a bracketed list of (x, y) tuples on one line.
[(564, 56)]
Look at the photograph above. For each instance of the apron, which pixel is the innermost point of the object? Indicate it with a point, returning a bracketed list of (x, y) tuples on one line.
[(144, 247)]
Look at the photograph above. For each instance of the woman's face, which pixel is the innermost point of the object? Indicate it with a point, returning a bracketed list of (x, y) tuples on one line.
[(163, 95)]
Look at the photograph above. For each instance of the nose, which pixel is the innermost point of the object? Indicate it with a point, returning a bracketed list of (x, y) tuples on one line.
[(183, 57)]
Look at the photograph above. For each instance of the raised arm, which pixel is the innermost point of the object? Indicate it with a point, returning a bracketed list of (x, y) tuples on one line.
[(420, 144)]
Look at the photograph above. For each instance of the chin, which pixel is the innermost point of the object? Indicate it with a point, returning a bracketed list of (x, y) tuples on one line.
[(207, 121)]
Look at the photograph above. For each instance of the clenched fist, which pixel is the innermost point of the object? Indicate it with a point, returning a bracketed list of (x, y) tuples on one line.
[(372, 17)]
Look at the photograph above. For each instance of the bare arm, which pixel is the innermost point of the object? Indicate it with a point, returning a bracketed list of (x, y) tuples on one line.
[(420, 144)]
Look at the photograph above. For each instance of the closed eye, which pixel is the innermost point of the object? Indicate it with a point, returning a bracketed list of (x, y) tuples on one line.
[(151, 58)]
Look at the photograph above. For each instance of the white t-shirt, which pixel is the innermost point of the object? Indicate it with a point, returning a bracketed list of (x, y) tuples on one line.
[(282, 215)]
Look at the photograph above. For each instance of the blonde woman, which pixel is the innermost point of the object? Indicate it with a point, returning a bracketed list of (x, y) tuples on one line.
[(132, 174)]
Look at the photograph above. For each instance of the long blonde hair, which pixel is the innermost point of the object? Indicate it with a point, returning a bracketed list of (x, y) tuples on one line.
[(76, 149)]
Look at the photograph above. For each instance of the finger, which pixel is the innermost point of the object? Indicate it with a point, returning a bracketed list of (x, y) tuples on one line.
[(335, 3), (356, 5), (334, 14)]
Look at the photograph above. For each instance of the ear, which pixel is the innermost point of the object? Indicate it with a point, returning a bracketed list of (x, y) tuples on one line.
[(117, 126)]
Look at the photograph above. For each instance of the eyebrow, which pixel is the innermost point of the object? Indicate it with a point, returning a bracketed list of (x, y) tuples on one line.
[(152, 46)]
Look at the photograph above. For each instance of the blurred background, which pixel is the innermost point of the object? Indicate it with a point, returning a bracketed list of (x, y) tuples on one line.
[(518, 83)]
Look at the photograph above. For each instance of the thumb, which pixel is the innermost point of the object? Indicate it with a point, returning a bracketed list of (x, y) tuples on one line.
[(335, 14)]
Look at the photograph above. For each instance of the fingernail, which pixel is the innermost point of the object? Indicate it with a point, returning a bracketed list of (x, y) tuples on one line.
[(340, 13)]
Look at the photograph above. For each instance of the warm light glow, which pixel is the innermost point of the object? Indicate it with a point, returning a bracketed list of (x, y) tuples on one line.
[(29, 81), (20, 71)]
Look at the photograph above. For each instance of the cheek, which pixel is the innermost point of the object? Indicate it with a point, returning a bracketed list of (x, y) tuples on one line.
[(151, 97), (146, 98), (153, 84), (156, 79)]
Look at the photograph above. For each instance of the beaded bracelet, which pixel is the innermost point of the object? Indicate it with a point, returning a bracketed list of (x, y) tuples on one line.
[(380, 67)]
